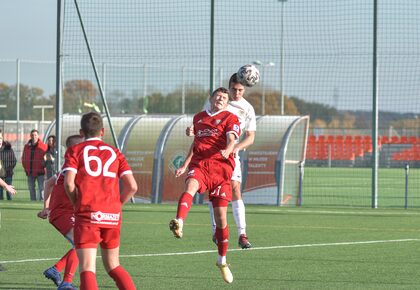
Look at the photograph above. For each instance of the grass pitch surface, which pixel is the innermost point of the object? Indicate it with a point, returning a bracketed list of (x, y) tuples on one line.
[(293, 248)]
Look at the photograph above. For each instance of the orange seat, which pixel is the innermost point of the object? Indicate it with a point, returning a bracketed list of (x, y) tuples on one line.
[(412, 139), (395, 140), (384, 139)]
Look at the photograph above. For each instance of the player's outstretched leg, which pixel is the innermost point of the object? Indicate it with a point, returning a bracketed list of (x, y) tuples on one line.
[(70, 269), (176, 225), (238, 209), (226, 273), (184, 206), (222, 236), (66, 286), (213, 223), (122, 278), (52, 274), (88, 280)]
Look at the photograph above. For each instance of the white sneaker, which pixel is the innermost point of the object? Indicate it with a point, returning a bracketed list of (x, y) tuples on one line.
[(226, 273), (176, 228)]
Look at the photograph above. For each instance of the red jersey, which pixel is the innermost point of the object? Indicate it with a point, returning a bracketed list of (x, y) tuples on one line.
[(210, 132), (60, 203), (98, 167)]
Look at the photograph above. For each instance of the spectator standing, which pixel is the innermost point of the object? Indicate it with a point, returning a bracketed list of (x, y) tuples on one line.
[(50, 157), (32, 161), (7, 164)]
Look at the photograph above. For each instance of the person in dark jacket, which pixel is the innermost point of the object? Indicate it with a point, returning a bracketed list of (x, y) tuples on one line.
[(50, 157), (32, 161), (7, 164)]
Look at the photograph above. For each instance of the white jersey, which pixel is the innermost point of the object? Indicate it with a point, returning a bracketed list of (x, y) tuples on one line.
[(244, 111)]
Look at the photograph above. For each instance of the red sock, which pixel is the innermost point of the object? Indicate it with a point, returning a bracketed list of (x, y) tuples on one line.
[(122, 278), (184, 205), (222, 236), (71, 265), (88, 281), (61, 264)]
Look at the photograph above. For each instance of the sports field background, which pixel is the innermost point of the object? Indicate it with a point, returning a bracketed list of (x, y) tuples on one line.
[(155, 58), (294, 248), (330, 187), (315, 58)]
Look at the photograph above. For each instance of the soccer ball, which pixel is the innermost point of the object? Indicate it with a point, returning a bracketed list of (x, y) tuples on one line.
[(248, 75)]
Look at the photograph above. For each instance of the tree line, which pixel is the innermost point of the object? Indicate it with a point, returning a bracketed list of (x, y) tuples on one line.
[(81, 96)]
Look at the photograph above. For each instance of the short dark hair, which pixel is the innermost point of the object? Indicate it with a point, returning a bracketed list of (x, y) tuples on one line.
[(73, 139), (91, 124), (234, 79), (220, 90), (34, 130)]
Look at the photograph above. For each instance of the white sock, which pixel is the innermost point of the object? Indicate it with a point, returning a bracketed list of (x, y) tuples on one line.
[(238, 209), (213, 223), (221, 260), (181, 222)]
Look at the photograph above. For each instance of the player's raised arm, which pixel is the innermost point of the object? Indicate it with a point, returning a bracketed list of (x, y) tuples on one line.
[(187, 161), (231, 137)]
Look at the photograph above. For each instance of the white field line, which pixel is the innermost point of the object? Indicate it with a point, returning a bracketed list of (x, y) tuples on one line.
[(233, 250), (373, 212)]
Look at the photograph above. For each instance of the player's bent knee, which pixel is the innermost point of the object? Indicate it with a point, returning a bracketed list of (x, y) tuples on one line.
[(236, 191)]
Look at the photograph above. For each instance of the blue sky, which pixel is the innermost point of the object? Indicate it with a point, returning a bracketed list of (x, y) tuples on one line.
[(28, 29), (337, 32)]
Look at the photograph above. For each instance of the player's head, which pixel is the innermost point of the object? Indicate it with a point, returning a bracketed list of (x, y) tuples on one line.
[(219, 99), (91, 125), (73, 140), (236, 88)]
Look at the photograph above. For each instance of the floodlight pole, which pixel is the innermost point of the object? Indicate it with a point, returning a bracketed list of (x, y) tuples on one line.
[(212, 13), (98, 79), (375, 109), (58, 91), (281, 58), (17, 102), (183, 91)]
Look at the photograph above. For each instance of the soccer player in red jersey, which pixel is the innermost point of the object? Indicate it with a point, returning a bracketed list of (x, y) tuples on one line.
[(93, 171), (60, 212), (239, 106), (210, 168)]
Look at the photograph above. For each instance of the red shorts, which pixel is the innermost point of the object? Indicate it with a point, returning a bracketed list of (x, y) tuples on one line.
[(88, 236), (63, 223), (214, 176)]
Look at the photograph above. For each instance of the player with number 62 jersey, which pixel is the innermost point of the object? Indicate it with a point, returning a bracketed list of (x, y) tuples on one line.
[(98, 167)]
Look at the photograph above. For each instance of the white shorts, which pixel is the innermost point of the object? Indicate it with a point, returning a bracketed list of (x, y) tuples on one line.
[(237, 171)]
